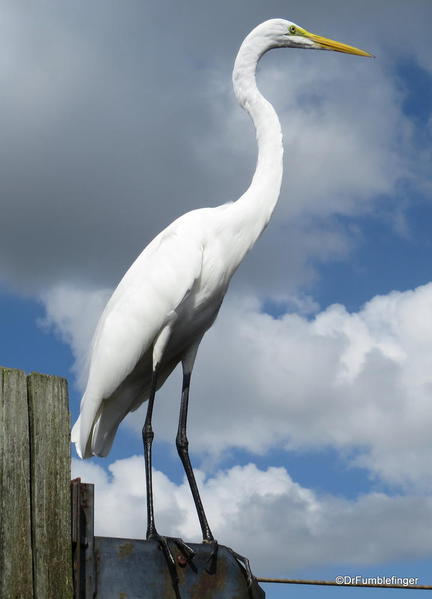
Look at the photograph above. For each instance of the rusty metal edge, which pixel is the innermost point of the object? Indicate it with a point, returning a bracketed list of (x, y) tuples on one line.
[(82, 536)]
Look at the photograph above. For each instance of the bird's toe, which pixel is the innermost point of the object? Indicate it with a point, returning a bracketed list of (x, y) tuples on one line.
[(212, 558)]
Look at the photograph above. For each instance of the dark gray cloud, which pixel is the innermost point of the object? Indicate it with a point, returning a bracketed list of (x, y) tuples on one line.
[(118, 117)]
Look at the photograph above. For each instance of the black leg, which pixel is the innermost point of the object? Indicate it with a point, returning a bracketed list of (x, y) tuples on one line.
[(148, 435), (182, 447), (152, 534)]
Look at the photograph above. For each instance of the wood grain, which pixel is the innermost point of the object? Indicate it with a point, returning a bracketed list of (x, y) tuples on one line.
[(16, 577), (50, 486)]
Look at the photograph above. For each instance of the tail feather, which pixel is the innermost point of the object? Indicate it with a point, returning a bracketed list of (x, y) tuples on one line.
[(95, 429), (75, 436), (81, 433), (103, 435)]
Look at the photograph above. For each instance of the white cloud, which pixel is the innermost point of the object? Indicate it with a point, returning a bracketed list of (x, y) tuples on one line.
[(359, 382), (72, 313), (95, 130), (259, 511)]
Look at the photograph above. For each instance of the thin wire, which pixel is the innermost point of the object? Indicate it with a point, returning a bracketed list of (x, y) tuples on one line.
[(332, 583)]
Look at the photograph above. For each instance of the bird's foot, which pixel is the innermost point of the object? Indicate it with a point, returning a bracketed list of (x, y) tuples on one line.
[(254, 590), (186, 555), (245, 565), (212, 559)]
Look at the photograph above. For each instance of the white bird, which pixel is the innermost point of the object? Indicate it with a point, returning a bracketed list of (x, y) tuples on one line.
[(172, 293)]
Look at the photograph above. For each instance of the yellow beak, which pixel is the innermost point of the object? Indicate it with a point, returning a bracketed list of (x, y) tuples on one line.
[(327, 44)]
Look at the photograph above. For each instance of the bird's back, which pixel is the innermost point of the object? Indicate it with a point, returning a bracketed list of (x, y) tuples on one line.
[(176, 278)]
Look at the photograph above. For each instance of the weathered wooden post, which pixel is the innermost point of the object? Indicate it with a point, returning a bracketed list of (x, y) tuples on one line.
[(35, 516), (38, 535)]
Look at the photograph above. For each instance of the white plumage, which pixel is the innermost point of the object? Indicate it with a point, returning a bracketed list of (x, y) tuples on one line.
[(159, 312), (173, 291)]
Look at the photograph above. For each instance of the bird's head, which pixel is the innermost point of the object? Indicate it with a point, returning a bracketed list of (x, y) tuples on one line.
[(286, 34)]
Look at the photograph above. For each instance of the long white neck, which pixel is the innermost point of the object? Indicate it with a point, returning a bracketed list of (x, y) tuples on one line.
[(256, 205)]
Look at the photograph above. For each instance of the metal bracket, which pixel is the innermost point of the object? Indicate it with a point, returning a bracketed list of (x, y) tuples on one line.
[(84, 571), (111, 568), (138, 569)]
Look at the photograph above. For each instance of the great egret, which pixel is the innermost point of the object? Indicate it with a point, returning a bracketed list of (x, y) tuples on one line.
[(172, 293)]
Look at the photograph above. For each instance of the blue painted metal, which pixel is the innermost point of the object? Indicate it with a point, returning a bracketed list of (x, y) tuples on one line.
[(111, 568), (137, 569)]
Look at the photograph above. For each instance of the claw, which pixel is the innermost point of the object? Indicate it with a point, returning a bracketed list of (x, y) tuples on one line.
[(212, 559), (171, 562), (184, 548), (244, 562)]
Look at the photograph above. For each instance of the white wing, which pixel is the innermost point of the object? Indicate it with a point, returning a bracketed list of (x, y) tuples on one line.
[(144, 302)]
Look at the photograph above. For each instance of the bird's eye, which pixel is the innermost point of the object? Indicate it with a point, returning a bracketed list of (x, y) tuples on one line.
[(292, 29)]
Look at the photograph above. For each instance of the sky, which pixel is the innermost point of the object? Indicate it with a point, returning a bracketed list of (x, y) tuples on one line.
[(310, 406)]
